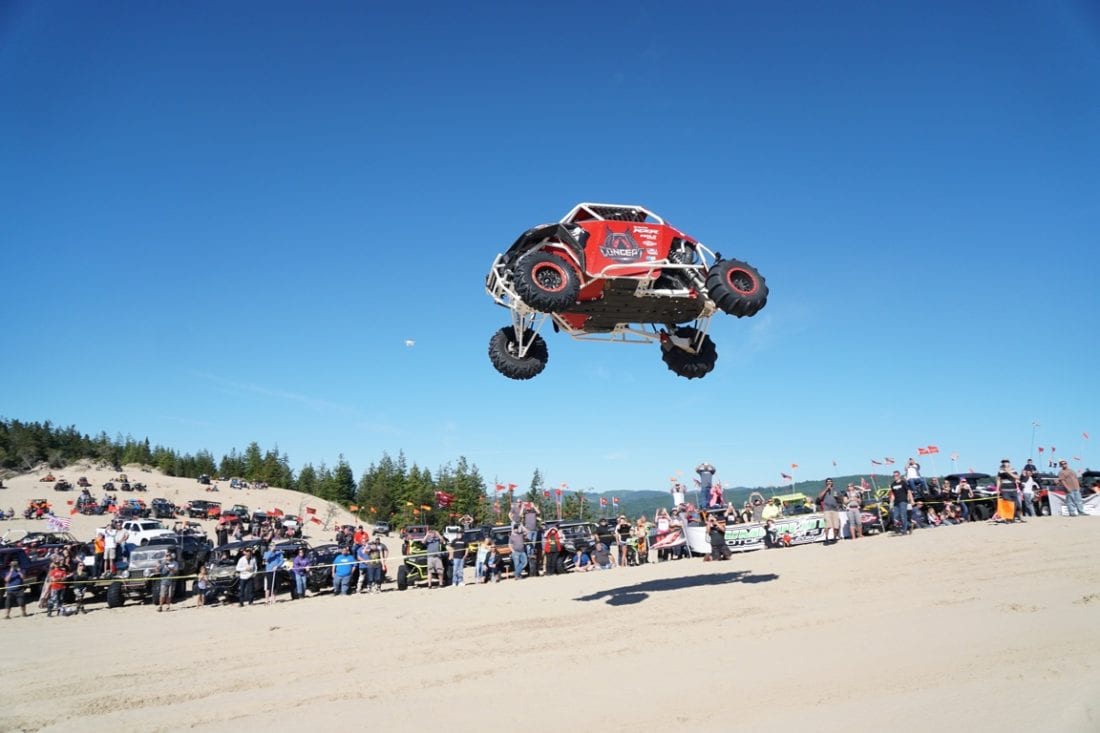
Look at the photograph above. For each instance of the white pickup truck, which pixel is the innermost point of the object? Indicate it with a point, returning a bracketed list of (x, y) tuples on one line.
[(140, 531)]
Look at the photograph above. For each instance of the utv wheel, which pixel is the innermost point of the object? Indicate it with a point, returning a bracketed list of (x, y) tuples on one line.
[(114, 595), (737, 288), (690, 366), (546, 282), (402, 578), (504, 353)]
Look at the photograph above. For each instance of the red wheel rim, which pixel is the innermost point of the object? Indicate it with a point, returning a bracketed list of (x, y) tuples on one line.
[(742, 281), (549, 277)]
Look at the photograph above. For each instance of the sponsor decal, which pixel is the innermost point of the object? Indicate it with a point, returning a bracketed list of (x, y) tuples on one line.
[(620, 246)]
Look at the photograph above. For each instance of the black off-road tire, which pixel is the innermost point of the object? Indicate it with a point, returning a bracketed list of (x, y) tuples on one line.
[(545, 281), (402, 578), (737, 288), (114, 595), (503, 348), (690, 366)]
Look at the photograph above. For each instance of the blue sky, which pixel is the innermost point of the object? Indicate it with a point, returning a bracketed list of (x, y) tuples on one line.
[(220, 222)]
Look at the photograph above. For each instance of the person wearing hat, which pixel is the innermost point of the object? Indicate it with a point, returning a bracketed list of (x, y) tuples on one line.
[(167, 570), (623, 530), (1007, 486), (15, 589), (1067, 479)]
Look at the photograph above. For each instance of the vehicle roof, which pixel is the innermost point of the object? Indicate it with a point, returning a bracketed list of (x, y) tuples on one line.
[(968, 476), (239, 545)]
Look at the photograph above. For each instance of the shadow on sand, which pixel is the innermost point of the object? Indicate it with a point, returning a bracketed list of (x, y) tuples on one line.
[(629, 594)]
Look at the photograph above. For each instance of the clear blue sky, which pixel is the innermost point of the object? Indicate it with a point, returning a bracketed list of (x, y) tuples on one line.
[(219, 222)]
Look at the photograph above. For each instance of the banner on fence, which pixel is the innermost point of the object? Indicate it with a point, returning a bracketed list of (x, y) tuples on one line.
[(1058, 504), (802, 529)]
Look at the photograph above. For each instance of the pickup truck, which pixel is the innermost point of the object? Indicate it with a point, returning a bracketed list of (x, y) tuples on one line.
[(140, 531)]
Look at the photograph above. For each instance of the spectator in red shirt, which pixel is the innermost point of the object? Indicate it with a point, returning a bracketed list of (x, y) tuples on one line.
[(56, 578)]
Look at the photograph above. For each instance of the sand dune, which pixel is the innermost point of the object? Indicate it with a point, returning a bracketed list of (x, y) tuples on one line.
[(978, 626)]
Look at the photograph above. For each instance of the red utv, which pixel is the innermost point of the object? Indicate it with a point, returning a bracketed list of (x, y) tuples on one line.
[(609, 272)]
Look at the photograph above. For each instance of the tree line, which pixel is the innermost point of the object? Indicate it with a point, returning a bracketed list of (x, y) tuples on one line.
[(390, 488)]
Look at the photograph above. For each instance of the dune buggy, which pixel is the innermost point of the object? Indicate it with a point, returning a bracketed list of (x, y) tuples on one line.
[(610, 272)]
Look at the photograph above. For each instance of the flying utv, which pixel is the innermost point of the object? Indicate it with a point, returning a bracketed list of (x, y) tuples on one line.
[(619, 273)]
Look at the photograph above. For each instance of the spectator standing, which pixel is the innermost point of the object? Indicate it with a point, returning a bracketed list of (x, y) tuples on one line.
[(756, 502), (99, 546), (1008, 482), (273, 560), (481, 567), (167, 570), (677, 493), (900, 498), (1028, 487), (1067, 479), (246, 569), (56, 581), (966, 497), (300, 569), (15, 591), (719, 550), (458, 560), (110, 547), (706, 473), (913, 480), (623, 530), (342, 567), (641, 540), (831, 507), (531, 517), (853, 503), (517, 541), (362, 555), (376, 557), (552, 547), (433, 544), (202, 587), (664, 525)]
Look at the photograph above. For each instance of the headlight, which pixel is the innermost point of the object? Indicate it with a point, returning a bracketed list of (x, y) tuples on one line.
[(147, 573), (124, 574)]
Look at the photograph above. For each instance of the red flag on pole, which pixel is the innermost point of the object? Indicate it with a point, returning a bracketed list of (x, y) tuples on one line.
[(311, 510), (1052, 449), (315, 520), (546, 494), (1040, 449), (615, 500), (794, 465), (933, 449), (603, 501), (511, 487), (557, 492), (922, 451), (500, 487)]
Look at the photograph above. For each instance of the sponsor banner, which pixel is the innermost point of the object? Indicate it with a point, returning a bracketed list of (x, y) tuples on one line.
[(803, 529), (1058, 506)]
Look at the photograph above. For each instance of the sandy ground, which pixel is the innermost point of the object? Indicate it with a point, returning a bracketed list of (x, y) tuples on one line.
[(979, 627)]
